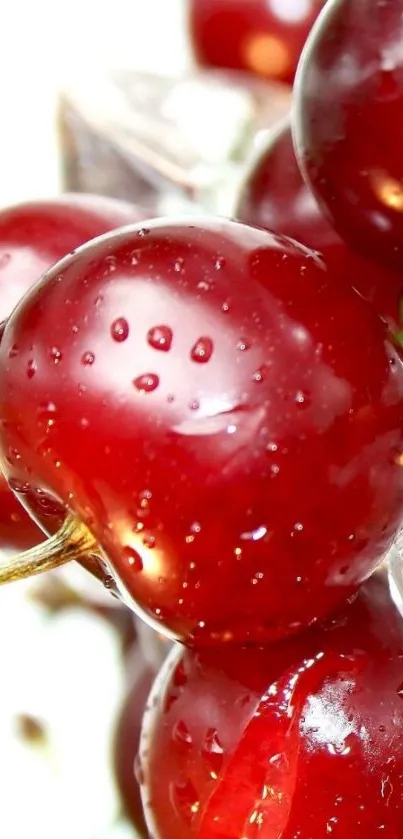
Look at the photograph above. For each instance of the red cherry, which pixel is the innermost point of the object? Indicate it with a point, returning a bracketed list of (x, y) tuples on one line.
[(301, 739), (127, 740), (236, 498), (275, 196), (256, 35), (32, 237), (348, 107)]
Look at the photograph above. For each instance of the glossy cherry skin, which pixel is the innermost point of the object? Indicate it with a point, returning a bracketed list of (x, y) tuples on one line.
[(275, 196), (223, 414), (32, 237), (348, 107), (127, 740), (255, 35), (300, 739)]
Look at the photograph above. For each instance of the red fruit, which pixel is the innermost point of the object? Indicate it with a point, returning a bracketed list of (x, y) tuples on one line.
[(300, 740), (275, 196), (348, 114), (224, 417), (256, 35), (127, 740), (32, 237)]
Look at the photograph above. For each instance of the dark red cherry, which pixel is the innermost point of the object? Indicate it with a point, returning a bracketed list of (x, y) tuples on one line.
[(275, 196), (300, 740), (127, 740), (256, 35), (32, 237), (242, 477), (348, 114)]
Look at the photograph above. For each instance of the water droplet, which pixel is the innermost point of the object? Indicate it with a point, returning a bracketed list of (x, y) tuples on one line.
[(258, 376), (302, 399), (146, 383), (213, 752), (88, 358), (98, 300), (400, 690), (120, 329), (31, 368), (13, 456), (219, 263), (202, 350), (195, 527), (18, 486), (149, 542), (243, 345), (178, 264), (132, 558), (13, 351), (47, 412), (56, 355), (111, 263), (170, 398), (5, 258), (194, 405), (160, 338), (185, 801), (144, 231), (225, 307), (84, 422), (181, 734)]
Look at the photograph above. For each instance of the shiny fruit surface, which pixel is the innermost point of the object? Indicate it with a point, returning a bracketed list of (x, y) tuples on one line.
[(223, 415), (348, 115), (255, 35), (32, 237), (296, 740), (275, 196)]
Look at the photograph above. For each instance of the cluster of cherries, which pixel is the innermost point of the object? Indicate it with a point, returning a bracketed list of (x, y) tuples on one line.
[(209, 416)]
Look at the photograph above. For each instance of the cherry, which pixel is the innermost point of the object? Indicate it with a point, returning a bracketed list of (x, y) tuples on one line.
[(301, 739), (127, 738), (275, 196), (255, 35), (348, 106), (221, 414), (32, 237)]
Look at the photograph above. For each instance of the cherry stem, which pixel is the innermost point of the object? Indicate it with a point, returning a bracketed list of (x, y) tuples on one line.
[(72, 541)]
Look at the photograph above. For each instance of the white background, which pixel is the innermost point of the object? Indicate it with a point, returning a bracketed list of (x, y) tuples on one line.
[(43, 43)]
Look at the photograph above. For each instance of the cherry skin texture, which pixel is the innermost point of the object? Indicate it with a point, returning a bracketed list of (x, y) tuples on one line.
[(32, 237), (300, 739), (348, 107), (222, 413), (254, 35), (127, 740), (275, 196)]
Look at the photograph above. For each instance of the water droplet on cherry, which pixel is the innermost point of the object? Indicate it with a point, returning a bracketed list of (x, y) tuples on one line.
[(302, 399), (243, 345), (213, 752), (149, 542), (194, 405), (133, 558), (13, 351), (31, 368), (146, 383), (202, 350), (88, 358), (160, 338), (258, 376), (219, 263), (56, 355), (400, 690), (181, 734), (120, 329)]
